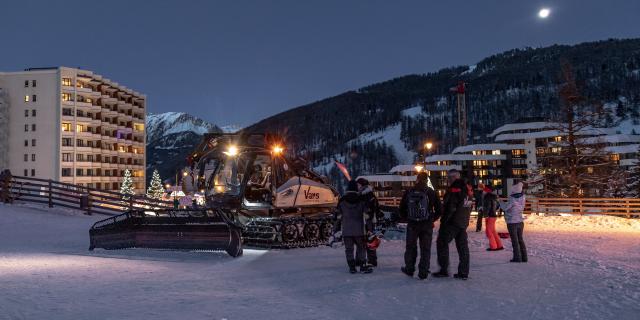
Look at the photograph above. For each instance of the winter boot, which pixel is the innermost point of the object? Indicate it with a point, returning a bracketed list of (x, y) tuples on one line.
[(441, 274), (422, 275), (365, 268), (352, 266), (407, 271), (461, 276)]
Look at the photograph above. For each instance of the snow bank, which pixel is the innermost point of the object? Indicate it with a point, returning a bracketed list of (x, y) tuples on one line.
[(583, 223)]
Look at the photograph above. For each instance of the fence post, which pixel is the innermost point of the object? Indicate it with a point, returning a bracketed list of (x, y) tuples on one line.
[(50, 196), (628, 208), (89, 204), (580, 206), (130, 202)]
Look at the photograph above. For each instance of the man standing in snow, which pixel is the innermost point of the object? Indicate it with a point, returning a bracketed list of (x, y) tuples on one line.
[(350, 215), (372, 216), (453, 225), (420, 206)]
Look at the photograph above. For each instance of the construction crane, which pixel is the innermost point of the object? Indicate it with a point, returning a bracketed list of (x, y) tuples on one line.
[(459, 90)]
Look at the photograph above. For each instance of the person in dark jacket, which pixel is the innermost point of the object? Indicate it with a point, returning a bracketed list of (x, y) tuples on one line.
[(419, 230), (350, 215), (453, 225), (490, 206), (477, 194), (372, 216)]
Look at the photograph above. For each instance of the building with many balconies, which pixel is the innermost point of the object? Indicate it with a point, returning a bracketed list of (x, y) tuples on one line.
[(72, 125)]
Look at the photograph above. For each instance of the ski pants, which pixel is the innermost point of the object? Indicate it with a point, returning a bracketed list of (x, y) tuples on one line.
[(492, 234), (479, 221), (359, 243), (446, 234), (418, 233), (517, 242)]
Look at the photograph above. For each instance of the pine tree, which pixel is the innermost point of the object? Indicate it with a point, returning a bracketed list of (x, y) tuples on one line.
[(127, 185), (633, 179), (575, 165), (155, 190)]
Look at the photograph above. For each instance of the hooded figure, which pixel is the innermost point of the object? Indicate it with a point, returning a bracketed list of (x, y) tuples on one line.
[(372, 216), (515, 222), (351, 217)]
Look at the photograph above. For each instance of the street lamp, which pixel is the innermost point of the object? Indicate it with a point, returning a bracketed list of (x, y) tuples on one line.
[(428, 146)]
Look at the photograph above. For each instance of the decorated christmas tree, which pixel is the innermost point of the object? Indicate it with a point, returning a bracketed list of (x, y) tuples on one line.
[(127, 185), (155, 190)]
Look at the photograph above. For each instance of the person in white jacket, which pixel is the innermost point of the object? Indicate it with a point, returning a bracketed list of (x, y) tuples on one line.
[(515, 222)]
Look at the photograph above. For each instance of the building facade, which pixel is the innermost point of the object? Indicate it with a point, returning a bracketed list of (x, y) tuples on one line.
[(73, 126), (516, 150)]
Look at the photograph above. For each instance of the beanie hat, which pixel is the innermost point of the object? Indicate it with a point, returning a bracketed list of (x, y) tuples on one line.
[(517, 188), (352, 186), (363, 181), (422, 176)]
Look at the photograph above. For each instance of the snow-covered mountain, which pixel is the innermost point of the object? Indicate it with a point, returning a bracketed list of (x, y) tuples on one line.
[(171, 136), (231, 128)]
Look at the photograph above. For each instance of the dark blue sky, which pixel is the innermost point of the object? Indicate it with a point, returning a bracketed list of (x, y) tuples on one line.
[(236, 62)]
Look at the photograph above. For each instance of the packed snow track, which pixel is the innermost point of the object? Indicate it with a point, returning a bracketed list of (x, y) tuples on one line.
[(46, 272)]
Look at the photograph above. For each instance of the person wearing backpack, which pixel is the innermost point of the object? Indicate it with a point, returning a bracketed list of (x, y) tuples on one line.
[(420, 206), (490, 206), (453, 225), (350, 216), (373, 214)]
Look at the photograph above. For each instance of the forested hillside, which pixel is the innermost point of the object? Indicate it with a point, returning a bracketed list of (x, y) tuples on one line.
[(381, 125)]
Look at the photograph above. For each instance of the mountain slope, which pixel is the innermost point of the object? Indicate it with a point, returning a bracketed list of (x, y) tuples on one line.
[(500, 89), (171, 136)]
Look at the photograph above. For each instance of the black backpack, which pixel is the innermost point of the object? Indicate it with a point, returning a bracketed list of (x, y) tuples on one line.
[(417, 205)]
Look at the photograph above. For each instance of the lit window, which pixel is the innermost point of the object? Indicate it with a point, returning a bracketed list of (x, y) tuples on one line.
[(67, 97), (26, 98), (138, 127), (495, 152), (66, 82), (81, 128), (589, 169), (615, 157), (557, 139), (66, 126)]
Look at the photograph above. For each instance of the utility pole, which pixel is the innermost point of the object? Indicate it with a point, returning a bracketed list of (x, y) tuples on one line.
[(461, 105)]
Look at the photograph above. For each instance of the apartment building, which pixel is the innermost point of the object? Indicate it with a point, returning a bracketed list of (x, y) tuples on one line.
[(72, 125), (515, 151)]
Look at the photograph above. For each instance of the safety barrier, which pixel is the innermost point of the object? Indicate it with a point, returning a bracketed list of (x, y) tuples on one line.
[(90, 200), (627, 207)]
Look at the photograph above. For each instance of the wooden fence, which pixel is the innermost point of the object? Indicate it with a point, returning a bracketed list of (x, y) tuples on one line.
[(55, 193), (627, 207)]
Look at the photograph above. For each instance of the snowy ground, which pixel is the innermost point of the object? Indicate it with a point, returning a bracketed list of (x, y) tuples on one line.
[(46, 272)]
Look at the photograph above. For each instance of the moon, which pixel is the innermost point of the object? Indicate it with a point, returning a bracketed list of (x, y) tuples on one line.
[(544, 13)]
